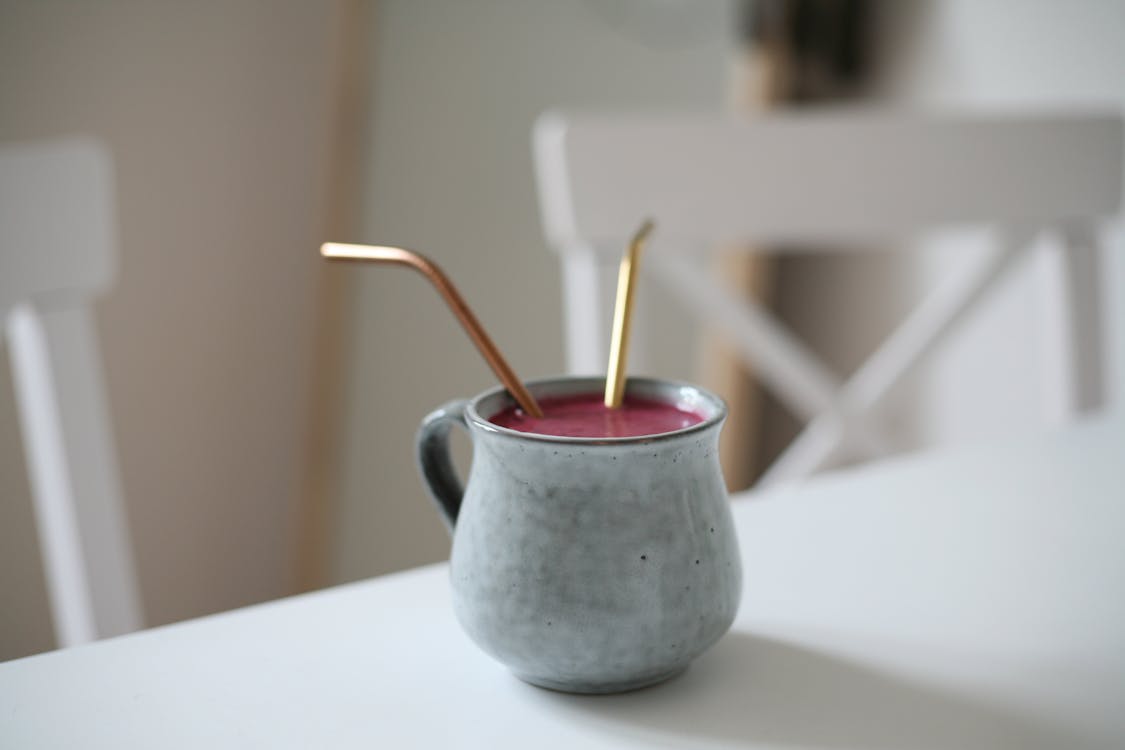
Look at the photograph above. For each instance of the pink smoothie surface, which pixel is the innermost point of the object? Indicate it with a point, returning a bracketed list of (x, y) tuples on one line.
[(586, 416)]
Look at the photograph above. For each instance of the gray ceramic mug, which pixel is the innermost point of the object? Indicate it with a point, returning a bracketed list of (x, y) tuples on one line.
[(589, 565)]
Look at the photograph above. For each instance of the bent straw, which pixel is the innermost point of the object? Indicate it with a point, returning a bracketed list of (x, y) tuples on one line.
[(622, 318), (472, 326)]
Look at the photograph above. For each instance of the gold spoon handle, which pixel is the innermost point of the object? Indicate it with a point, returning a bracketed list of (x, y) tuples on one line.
[(472, 326), (623, 317)]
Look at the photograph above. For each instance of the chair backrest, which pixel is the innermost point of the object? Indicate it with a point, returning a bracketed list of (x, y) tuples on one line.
[(846, 178), (814, 177), (57, 252)]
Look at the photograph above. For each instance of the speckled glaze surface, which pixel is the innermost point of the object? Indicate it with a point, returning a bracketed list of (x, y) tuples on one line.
[(588, 565)]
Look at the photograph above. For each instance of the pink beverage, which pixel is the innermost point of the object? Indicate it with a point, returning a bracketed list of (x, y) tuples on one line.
[(587, 416)]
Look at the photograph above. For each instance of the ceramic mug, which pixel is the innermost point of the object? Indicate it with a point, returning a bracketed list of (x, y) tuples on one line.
[(588, 565)]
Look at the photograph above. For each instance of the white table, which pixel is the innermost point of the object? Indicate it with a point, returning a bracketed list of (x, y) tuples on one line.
[(973, 599)]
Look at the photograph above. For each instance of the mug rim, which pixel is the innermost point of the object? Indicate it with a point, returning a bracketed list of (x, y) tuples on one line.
[(475, 420)]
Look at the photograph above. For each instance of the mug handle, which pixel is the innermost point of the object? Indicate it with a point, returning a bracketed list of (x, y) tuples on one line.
[(435, 462)]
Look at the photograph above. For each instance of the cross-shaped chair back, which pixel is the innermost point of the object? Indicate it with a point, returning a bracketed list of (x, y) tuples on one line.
[(840, 179)]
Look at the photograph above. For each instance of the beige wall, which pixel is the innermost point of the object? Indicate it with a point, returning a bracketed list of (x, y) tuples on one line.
[(455, 89), (219, 117)]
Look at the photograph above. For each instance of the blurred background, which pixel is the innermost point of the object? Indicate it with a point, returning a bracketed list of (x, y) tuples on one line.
[(264, 404)]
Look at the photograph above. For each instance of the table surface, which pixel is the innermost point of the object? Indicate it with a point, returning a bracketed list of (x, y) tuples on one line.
[(968, 599)]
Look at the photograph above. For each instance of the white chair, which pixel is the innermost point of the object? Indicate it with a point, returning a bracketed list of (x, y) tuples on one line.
[(57, 252), (839, 178)]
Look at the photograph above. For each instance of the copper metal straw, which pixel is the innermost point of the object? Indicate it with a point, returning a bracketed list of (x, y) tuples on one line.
[(622, 317), (472, 326)]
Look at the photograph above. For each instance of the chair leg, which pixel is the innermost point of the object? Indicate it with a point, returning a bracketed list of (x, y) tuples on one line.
[(52, 484), (1084, 335), (583, 278), (87, 552)]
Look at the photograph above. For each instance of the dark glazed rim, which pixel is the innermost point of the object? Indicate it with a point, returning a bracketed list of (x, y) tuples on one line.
[(589, 384)]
